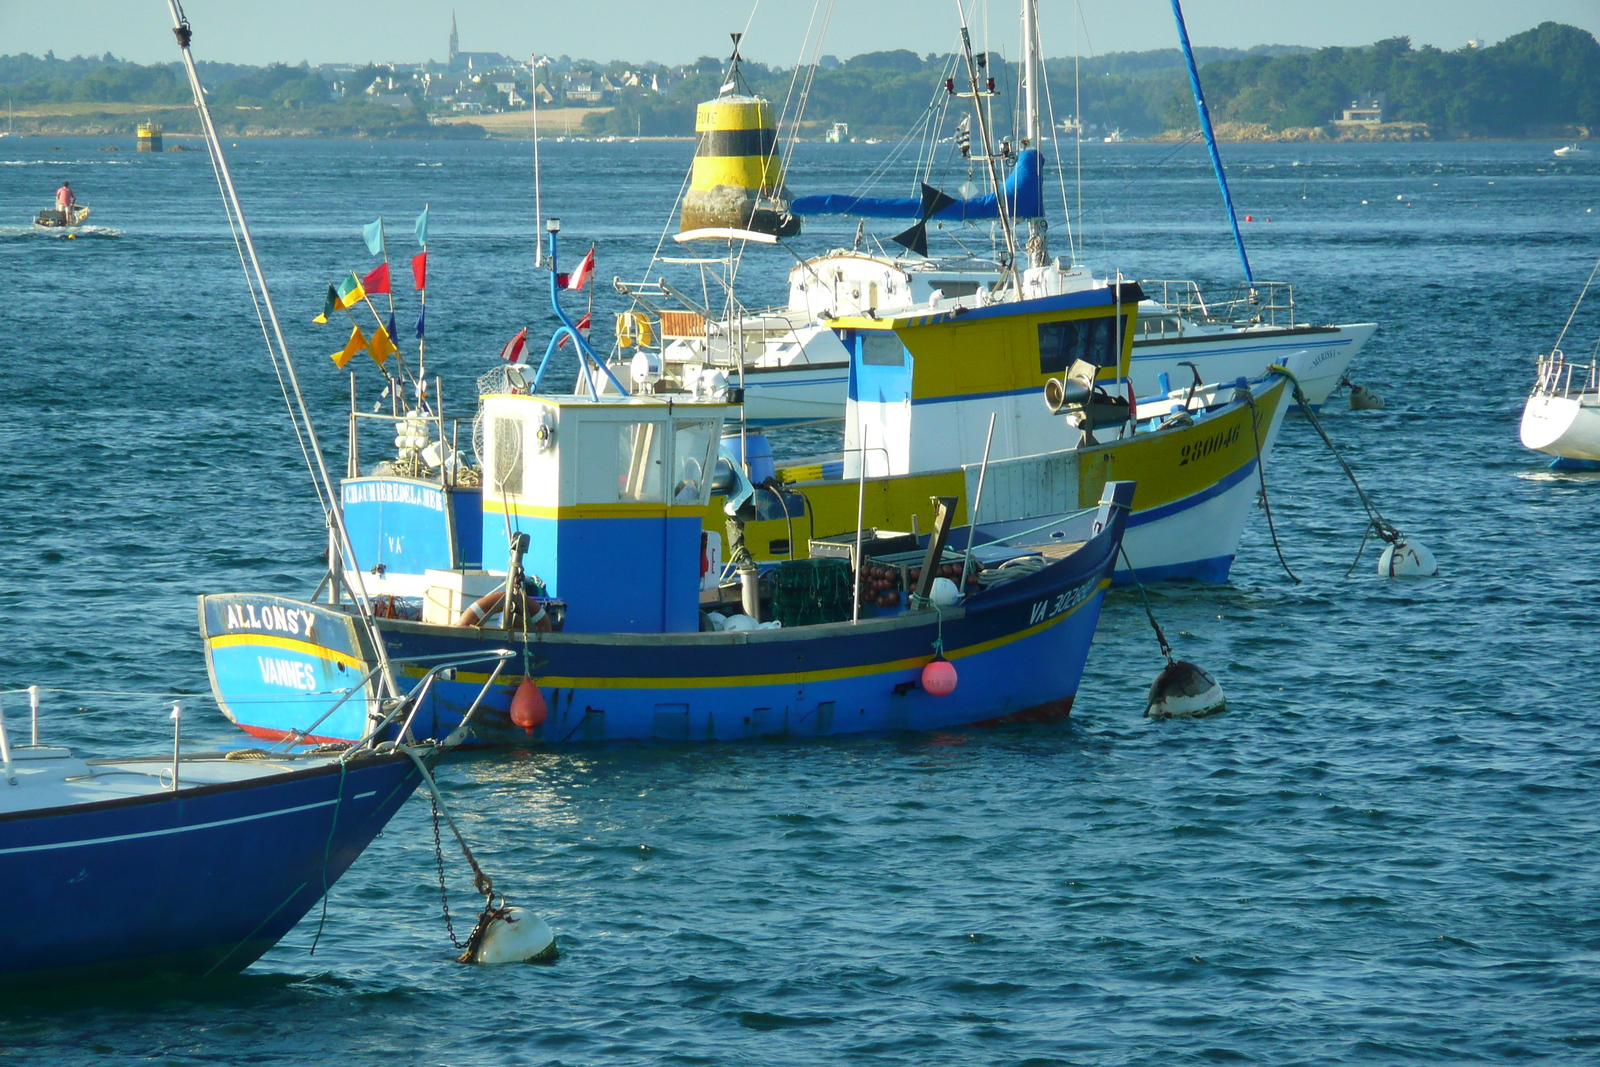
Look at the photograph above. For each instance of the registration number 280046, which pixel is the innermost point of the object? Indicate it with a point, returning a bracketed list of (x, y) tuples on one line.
[(1195, 451)]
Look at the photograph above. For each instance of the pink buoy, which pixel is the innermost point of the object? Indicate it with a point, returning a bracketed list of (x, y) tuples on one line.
[(939, 677), (527, 707)]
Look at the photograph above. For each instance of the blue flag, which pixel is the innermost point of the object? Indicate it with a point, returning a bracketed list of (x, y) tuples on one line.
[(420, 316), (391, 324), (373, 232), (422, 228)]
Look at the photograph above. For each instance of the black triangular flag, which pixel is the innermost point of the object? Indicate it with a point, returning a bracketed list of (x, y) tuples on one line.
[(916, 238), (934, 201)]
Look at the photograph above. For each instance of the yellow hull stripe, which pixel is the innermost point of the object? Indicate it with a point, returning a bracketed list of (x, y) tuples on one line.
[(288, 644), (788, 678)]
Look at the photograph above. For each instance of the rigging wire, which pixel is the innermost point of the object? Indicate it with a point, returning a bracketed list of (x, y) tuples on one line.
[(320, 477), (1574, 313)]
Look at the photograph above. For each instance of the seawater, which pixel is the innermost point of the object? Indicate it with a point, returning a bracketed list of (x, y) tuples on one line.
[(1385, 851)]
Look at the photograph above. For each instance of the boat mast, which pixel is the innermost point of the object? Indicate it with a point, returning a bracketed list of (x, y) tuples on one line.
[(1038, 245), (1211, 138), (979, 93)]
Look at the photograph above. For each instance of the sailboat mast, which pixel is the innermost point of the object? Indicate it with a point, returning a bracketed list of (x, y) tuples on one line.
[(1038, 245), (1030, 71), (1211, 138)]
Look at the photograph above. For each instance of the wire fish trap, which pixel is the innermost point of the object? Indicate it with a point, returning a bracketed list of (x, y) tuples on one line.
[(810, 591)]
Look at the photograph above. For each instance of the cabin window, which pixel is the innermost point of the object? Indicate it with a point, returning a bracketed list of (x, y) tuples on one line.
[(639, 461), (693, 456), (953, 290), (882, 349), (1091, 340), (506, 477), (619, 462)]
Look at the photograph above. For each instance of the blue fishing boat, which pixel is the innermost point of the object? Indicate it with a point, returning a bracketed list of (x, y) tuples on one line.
[(193, 865), (580, 547)]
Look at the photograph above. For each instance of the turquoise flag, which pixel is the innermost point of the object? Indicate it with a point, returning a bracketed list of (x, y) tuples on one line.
[(422, 228), (373, 232)]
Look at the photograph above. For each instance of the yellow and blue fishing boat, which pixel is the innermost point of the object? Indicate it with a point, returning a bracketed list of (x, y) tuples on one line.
[(579, 547), (923, 388)]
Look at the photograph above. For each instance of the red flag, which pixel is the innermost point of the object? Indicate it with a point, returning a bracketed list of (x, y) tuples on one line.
[(578, 277), (513, 349), (378, 280), (419, 269), (583, 326)]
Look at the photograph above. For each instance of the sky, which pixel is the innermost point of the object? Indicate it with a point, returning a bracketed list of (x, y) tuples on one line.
[(676, 31)]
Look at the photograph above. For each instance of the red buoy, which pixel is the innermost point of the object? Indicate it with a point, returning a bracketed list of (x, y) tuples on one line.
[(527, 707), (939, 677)]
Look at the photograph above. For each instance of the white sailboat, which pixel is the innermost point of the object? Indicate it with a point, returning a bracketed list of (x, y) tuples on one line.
[(1562, 416)]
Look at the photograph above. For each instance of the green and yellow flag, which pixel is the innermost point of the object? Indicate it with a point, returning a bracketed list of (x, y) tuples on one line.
[(350, 291), (381, 347), (357, 342), (329, 306)]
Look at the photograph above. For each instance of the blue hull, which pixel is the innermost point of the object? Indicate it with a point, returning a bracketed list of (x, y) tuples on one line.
[(199, 883), (1019, 650)]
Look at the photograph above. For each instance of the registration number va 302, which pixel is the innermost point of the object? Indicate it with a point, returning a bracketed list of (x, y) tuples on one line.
[(1050, 607)]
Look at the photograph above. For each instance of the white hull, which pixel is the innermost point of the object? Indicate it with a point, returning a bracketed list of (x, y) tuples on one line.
[(799, 392), (1328, 352), (1197, 537), (1563, 426)]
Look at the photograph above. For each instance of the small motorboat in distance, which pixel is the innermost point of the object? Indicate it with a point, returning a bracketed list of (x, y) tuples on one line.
[(1573, 149), (57, 218)]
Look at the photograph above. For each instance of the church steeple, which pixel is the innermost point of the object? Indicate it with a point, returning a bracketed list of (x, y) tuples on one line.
[(455, 40)]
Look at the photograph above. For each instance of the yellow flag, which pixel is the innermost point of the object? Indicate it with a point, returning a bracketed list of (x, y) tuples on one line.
[(357, 342), (381, 346)]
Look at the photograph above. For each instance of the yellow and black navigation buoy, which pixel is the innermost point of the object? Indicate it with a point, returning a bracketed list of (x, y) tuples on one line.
[(148, 137), (737, 180)]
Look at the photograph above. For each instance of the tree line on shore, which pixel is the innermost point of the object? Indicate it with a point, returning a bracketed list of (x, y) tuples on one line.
[(1543, 82)]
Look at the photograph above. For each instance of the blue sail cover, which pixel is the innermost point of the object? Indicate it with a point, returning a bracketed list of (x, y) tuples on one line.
[(1023, 190)]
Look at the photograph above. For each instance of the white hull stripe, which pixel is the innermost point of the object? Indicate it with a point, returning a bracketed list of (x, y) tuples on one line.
[(168, 832)]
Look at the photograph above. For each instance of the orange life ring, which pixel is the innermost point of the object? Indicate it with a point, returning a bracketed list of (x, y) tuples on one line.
[(482, 608), (490, 602)]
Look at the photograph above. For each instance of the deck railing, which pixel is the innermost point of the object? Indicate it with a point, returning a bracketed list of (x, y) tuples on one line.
[(1252, 304), (1555, 376)]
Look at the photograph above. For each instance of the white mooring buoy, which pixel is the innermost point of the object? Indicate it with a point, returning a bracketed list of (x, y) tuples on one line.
[(1407, 559), (1364, 399), (512, 935), (1184, 691)]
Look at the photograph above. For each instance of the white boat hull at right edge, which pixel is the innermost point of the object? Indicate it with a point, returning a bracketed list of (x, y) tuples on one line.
[(1565, 426), (1328, 352)]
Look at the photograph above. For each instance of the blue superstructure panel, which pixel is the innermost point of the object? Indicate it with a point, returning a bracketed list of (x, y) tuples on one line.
[(617, 575), (466, 506), (400, 524)]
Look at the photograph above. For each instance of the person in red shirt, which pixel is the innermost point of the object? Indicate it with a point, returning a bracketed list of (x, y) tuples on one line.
[(65, 201)]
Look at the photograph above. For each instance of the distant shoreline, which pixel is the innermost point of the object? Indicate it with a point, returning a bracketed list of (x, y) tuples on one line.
[(117, 121)]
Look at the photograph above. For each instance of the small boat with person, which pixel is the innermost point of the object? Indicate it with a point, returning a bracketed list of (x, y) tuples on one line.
[(56, 218)]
